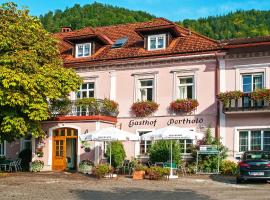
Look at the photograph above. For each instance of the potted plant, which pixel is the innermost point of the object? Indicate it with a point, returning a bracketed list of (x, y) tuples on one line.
[(110, 107), (139, 172), (260, 94), (60, 107), (227, 97), (101, 170), (157, 173), (92, 104), (86, 166), (144, 108), (184, 105), (37, 165)]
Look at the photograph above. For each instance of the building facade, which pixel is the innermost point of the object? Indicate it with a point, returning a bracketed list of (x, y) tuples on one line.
[(156, 61)]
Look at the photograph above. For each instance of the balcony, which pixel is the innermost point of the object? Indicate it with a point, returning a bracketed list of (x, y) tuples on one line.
[(87, 108), (246, 104)]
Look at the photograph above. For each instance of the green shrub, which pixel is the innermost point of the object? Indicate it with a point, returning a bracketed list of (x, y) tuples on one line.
[(157, 173), (118, 153), (228, 167), (60, 107), (92, 104), (101, 170), (37, 166), (140, 167), (26, 156), (160, 151), (2, 159), (209, 163)]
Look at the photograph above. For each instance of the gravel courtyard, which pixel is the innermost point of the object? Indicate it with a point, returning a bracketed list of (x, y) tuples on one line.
[(52, 185)]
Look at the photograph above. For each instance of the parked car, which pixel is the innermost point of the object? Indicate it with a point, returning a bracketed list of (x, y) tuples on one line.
[(254, 165)]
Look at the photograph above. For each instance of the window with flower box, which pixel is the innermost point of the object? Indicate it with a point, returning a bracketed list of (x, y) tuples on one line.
[(145, 90), (86, 90), (186, 87), (250, 83), (254, 140)]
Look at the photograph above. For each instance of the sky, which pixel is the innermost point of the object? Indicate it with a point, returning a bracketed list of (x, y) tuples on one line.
[(171, 9)]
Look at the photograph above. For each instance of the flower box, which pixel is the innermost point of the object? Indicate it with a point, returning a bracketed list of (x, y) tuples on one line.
[(184, 105), (144, 108)]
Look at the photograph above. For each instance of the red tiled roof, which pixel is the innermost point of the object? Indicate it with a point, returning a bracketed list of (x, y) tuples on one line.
[(245, 42), (188, 42)]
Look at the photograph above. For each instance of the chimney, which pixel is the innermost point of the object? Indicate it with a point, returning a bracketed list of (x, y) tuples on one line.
[(66, 29)]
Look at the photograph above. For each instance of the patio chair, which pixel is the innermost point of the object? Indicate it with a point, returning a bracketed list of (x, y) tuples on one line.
[(4, 166), (18, 165), (182, 169), (149, 164), (11, 166), (131, 168)]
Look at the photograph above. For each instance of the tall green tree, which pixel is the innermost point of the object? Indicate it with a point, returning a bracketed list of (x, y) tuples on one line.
[(31, 73)]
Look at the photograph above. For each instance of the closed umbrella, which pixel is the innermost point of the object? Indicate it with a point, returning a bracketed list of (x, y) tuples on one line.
[(171, 133), (109, 135)]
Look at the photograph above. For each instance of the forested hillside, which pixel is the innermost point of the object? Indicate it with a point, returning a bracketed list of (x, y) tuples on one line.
[(233, 25), (95, 14)]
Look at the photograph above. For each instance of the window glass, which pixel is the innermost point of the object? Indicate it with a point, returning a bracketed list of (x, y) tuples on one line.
[(80, 51), (156, 42), (257, 81), (247, 84), (144, 145), (186, 88), (83, 50), (255, 140), (86, 90), (2, 149), (185, 146), (266, 140), (243, 141), (145, 90), (87, 50), (160, 42)]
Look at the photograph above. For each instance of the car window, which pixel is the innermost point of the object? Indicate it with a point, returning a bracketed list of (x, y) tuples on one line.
[(257, 156)]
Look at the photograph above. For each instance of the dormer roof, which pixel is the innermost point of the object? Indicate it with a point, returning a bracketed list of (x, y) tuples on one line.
[(184, 42)]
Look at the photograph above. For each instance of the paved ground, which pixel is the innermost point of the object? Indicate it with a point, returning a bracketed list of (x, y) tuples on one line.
[(77, 186)]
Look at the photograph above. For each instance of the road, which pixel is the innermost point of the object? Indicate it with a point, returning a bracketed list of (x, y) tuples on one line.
[(58, 186)]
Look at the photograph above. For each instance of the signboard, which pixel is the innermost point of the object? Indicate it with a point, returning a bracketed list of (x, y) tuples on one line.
[(208, 149), (171, 121)]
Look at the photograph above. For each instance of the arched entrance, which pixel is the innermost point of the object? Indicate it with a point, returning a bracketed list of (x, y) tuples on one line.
[(64, 154)]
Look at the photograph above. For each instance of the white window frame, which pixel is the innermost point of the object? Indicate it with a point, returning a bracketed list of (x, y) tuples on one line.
[(185, 85), (84, 44), (156, 38), (185, 146), (139, 87), (252, 75), (3, 147), (138, 144), (249, 137), (87, 90)]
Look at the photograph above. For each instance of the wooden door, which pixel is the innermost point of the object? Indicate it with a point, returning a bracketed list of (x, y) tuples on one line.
[(59, 153)]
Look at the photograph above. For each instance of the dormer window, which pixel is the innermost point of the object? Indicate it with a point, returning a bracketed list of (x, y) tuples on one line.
[(157, 42), (83, 50)]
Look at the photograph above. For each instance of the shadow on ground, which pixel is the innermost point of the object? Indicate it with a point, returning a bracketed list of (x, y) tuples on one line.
[(136, 194), (232, 180)]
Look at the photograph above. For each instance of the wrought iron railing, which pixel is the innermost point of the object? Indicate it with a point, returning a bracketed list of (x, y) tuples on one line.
[(246, 104), (75, 109)]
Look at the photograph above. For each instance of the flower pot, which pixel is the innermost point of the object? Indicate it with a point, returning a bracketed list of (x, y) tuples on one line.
[(138, 175)]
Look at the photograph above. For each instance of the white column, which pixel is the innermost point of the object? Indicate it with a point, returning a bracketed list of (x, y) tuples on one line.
[(113, 85), (222, 86)]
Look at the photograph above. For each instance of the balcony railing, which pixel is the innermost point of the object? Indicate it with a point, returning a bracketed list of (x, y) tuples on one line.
[(245, 105), (97, 107)]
